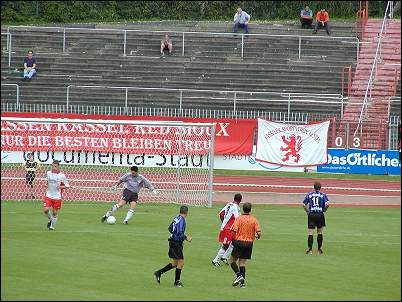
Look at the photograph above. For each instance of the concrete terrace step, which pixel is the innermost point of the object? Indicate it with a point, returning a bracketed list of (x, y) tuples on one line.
[(107, 76), (255, 27), (190, 83), (379, 77), (200, 61), (385, 56), (374, 93), (171, 61), (210, 50), (209, 63), (74, 70)]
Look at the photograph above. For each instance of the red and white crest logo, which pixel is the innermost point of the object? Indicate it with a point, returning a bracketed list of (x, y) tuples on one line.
[(293, 147)]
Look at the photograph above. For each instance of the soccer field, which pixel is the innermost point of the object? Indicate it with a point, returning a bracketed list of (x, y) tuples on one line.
[(84, 259)]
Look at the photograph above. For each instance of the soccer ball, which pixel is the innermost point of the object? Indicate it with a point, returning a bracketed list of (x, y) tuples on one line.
[(111, 220)]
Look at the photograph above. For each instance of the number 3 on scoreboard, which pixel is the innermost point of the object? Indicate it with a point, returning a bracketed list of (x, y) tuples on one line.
[(356, 142)]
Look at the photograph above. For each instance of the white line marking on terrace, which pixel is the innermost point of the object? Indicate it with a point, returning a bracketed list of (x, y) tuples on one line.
[(70, 75), (47, 53)]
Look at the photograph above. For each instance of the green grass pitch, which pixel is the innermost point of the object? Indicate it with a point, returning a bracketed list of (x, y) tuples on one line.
[(84, 259)]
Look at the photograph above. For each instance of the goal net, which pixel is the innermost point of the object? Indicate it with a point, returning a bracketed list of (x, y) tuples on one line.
[(176, 157)]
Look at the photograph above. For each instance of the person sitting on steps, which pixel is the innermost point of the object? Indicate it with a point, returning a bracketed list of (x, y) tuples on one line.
[(322, 19), (29, 66), (166, 44)]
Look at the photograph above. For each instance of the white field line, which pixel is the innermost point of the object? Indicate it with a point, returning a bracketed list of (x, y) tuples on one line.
[(286, 210), (304, 187), (158, 234), (164, 233), (292, 193)]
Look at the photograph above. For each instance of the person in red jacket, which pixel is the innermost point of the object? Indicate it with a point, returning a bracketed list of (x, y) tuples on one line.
[(322, 19)]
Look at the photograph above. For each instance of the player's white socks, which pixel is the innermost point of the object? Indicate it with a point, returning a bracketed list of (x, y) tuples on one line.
[(53, 220), (49, 215), (218, 257), (112, 210), (129, 215), (228, 251)]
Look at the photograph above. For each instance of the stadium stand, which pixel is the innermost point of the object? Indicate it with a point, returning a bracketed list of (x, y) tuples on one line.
[(388, 71), (280, 69), (384, 94), (210, 62)]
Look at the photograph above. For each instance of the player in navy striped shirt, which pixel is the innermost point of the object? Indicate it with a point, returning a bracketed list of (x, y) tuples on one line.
[(177, 230), (315, 204)]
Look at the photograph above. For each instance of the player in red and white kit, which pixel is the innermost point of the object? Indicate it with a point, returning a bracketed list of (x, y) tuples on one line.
[(56, 183), (227, 215)]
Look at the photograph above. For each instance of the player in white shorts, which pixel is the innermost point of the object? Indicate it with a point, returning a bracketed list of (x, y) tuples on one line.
[(227, 215), (56, 183)]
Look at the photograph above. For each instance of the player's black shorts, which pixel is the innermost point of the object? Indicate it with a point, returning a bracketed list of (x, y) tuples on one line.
[(316, 220), (129, 196), (175, 250), (242, 249), (30, 177)]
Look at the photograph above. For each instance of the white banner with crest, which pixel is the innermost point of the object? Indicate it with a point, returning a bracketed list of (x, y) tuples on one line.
[(292, 145)]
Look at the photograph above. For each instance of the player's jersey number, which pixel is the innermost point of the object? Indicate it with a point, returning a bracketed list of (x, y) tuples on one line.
[(316, 201), (315, 207)]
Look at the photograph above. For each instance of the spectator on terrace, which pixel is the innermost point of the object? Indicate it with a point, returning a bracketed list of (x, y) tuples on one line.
[(322, 19), (241, 19), (306, 17), (166, 44), (29, 66)]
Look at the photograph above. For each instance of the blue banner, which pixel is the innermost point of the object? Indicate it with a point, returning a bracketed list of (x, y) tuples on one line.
[(359, 161)]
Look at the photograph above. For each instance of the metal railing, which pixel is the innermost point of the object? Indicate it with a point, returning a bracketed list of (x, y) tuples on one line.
[(395, 104), (17, 92), (373, 71), (393, 136), (391, 9), (167, 112), (277, 97), (8, 46), (184, 34), (346, 70), (295, 117), (361, 19)]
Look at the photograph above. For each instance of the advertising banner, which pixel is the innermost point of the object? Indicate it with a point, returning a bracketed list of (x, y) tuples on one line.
[(81, 158), (359, 161), (231, 136), (292, 145)]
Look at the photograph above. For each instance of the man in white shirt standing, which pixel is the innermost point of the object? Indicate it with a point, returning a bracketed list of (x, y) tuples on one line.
[(227, 215), (241, 19), (56, 183)]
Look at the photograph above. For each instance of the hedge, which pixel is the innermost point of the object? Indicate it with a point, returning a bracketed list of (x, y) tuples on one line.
[(111, 11)]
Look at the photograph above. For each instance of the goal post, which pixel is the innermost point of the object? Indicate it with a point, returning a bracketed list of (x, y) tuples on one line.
[(176, 157)]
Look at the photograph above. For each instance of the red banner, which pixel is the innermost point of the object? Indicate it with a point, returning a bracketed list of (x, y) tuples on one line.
[(231, 136)]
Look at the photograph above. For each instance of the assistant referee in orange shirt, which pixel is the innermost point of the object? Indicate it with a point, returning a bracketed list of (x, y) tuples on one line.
[(246, 229)]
